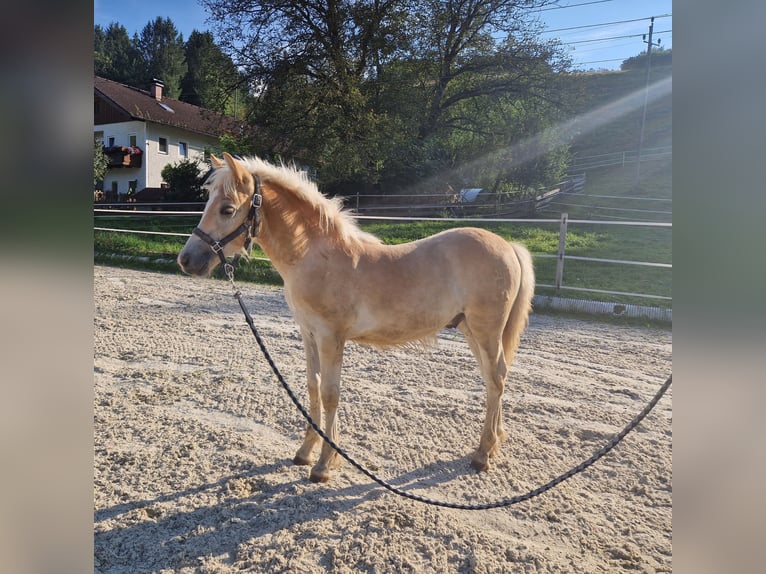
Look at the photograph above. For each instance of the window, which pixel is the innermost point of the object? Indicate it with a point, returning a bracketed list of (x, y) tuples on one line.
[(163, 145), (183, 149), (115, 187), (132, 140), (99, 137), (111, 141)]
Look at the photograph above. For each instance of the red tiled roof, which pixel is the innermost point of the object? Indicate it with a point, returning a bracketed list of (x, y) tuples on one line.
[(141, 105)]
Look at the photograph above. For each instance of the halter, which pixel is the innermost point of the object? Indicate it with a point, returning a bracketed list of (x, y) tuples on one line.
[(249, 227)]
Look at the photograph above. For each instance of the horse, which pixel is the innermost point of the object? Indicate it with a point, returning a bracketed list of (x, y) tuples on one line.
[(344, 284)]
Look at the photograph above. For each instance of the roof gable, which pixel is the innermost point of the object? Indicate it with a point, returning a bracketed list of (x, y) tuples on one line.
[(134, 103)]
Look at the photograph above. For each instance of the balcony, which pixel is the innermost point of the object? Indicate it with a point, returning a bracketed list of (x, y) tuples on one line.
[(123, 156)]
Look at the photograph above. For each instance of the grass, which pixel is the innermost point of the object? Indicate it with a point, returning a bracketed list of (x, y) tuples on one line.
[(622, 133), (598, 241), (158, 253)]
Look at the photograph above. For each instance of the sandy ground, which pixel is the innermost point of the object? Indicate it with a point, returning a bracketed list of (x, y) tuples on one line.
[(194, 440)]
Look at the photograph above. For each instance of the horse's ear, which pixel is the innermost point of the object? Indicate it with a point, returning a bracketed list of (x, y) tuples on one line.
[(241, 175), (217, 163)]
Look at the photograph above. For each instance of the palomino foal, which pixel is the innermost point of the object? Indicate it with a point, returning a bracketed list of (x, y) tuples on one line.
[(343, 284)]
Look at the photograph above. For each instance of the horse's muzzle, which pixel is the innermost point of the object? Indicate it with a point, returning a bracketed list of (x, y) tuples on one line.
[(196, 258)]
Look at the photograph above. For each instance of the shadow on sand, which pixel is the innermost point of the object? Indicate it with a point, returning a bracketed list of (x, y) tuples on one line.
[(174, 530)]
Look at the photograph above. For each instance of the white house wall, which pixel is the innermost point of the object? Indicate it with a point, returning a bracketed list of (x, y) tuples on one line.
[(121, 133), (154, 160), (147, 138)]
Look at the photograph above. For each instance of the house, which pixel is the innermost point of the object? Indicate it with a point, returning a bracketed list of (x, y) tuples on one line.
[(143, 131)]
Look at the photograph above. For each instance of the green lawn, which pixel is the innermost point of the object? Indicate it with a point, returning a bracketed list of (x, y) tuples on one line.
[(599, 241)]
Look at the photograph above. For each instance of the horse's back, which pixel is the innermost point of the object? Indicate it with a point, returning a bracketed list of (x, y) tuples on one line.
[(478, 250), (461, 259), (461, 268)]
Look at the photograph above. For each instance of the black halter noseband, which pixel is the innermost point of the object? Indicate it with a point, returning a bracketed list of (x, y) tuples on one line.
[(249, 227)]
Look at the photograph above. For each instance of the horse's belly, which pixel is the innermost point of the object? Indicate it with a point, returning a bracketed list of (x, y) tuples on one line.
[(397, 328), (393, 337)]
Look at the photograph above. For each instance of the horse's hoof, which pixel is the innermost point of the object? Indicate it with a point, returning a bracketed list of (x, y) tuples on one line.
[(301, 460), (319, 476), (480, 463)]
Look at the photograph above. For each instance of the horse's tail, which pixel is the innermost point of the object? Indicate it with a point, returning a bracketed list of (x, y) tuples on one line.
[(522, 305)]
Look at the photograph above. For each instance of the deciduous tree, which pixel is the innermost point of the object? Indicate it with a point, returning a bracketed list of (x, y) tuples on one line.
[(372, 89)]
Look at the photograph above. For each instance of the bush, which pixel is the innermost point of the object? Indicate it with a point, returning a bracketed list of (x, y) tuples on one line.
[(184, 181)]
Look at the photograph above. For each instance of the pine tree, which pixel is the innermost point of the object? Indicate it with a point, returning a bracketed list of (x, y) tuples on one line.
[(162, 48)]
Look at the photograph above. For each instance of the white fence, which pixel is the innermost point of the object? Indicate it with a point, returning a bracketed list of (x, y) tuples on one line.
[(560, 256)]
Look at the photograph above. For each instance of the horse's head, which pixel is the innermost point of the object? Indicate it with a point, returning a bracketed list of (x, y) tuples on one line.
[(229, 222)]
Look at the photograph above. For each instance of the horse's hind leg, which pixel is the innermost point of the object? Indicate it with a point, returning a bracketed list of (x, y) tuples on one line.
[(303, 456), (489, 354)]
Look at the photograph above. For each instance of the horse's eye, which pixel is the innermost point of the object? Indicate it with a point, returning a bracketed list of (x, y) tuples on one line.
[(228, 210)]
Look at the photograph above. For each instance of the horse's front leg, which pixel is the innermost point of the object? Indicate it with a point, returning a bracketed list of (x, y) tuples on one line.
[(303, 456), (330, 361)]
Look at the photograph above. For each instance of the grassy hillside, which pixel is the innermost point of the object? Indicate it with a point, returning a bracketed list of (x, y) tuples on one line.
[(596, 89), (614, 193)]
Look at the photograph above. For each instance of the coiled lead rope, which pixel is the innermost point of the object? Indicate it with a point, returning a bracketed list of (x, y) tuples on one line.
[(390, 487)]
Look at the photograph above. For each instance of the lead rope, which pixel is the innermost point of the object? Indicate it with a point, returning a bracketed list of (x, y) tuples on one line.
[(229, 270)]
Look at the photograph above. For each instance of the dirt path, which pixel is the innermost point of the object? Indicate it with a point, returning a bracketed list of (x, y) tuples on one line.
[(194, 440)]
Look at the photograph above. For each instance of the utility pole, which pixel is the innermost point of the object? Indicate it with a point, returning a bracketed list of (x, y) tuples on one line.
[(649, 45)]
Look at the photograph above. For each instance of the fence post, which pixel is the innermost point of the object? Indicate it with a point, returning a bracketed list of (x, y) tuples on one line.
[(562, 243)]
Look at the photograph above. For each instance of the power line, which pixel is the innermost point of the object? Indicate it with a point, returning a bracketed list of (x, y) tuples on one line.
[(585, 50), (600, 61), (572, 5), (582, 50), (613, 38), (607, 23)]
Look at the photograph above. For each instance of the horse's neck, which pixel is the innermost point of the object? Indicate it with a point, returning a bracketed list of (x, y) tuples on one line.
[(284, 234)]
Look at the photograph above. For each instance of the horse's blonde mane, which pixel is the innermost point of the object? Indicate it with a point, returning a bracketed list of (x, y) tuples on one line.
[(300, 203)]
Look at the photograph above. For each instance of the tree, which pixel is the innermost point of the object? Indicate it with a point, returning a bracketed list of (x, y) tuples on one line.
[(211, 80), (660, 57), (479, 48), (308, 61), (162, 49), (235, 145), (376, 90), (196, 71), (100, 162), (116, 57), (184, 181)]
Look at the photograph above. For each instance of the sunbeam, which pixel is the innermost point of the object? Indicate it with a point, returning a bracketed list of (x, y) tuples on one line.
[(540, 144)]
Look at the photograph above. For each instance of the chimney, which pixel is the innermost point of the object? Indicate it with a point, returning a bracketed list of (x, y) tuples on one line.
[(156, 89)]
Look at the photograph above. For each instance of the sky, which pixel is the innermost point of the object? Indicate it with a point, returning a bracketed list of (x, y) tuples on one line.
[(603, 46)]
